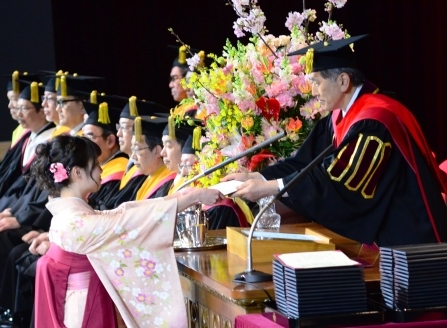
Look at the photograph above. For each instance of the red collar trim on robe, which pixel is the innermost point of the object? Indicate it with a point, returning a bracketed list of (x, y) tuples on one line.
[(26, 167), (160, 183), (402, 126)]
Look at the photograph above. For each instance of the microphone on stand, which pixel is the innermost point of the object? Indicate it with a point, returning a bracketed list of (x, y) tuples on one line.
[(232, 159), (250, 275)]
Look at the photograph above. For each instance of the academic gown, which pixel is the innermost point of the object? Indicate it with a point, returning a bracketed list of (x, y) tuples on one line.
[(156, 185), (112, 173), (129, 185), (365, 189), (130, 251), (10, 167)]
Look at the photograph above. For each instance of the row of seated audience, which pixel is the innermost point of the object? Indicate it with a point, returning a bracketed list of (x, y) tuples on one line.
[(142, 157)]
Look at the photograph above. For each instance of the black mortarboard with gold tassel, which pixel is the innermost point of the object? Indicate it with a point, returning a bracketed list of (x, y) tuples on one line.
[(33, 92), (104, 117), (182, 129), (136, 107), (19, 81), (180, 61), (76, 85), (149, 126), (330, 54)]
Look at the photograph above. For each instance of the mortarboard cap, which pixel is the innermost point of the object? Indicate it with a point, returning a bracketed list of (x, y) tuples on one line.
[(76, 85), (329, 54), (33, 92), (183, 129), (51, 81), (18, 81), (149, 126), (134, 107), (104, 117)]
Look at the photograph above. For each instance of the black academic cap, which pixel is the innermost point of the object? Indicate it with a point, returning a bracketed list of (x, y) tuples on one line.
[(76, 85), (33, 92), (18, 81), (180, 61), (192, 143), (329, 54), (104, 117), (51, 80), (149, 126), (134, 107), (183, 129)]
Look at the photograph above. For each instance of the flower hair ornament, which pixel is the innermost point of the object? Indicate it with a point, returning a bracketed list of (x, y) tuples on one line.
[(60, 173)]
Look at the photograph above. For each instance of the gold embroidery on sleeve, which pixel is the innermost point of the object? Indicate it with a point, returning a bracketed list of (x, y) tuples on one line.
[(359, 162), (382, 154), (351, 159)]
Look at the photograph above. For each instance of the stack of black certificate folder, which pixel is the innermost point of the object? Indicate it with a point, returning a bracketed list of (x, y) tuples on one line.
[(306, 292), (414, 276)]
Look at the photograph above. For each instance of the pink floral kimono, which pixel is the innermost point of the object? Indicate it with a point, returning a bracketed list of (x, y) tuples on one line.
[(129, 249)]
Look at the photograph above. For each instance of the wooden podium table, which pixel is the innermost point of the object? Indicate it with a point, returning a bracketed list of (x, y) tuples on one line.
[(212, 298)]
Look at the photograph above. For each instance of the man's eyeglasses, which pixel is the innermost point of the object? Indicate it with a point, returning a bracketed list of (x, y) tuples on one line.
[(48, 99), (174, 78), (137, 150), (184, 166), (92, 137), (23, 109), (62, 102), (123, 128)]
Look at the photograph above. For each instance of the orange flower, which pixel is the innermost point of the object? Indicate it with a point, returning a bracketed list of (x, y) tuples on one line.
[(294, 125)]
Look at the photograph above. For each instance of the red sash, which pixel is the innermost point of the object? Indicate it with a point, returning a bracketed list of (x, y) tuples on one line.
[(403, 128)]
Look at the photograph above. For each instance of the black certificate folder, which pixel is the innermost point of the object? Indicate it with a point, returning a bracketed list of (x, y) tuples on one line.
[(414, 276), (312, 284)]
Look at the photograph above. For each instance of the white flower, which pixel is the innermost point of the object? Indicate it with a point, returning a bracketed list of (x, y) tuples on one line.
[(158, 321), (193, 62), (139, 271), (294, 19), (133, 234), (145, 255), (115, 264), (136, 291), (118, 229), (163, 295), (98, 230)]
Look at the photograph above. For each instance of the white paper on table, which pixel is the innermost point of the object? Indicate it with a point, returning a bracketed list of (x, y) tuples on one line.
[(308, 260), (227, 187)]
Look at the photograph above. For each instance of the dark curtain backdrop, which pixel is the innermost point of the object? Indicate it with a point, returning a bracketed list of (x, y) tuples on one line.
[(127, 43)]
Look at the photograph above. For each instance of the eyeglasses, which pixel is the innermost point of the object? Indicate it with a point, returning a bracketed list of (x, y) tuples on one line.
[(48, 99), (174, 78), (62, 102), (137, 150), (24, 109), (184, 166), (123, 128), (91, 136)]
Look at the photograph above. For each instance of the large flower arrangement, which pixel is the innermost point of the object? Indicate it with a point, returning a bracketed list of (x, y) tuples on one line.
[(254, 91)]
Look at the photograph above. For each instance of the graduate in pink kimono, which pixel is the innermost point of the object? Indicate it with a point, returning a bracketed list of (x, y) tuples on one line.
[(99, 260)]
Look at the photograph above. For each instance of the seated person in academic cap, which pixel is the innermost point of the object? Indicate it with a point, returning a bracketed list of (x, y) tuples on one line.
[(133, 177), (182, 141), (178, 72), (380, 184), (100, 127), (49, 104), (72, 93), (10, 167), (23, 202), (146, 154)]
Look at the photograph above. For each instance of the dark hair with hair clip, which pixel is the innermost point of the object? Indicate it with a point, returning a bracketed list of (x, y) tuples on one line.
[(70, 152)]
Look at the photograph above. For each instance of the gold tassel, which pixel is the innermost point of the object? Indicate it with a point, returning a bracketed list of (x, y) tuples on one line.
[(171, 127), (133, 106), (196, 135), (138, 130), (182, 55), (58, 79), (309, 60), (94, 97), (15, 82), (34, 92), (202, 59), (63, 86), (104, 113)]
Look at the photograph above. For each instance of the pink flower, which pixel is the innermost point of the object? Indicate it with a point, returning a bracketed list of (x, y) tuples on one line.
[(127, 253), (59, 172), (119, 272), (79, 224)]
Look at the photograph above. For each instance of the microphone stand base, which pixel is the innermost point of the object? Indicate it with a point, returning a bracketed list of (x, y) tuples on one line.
[(253, 276)]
